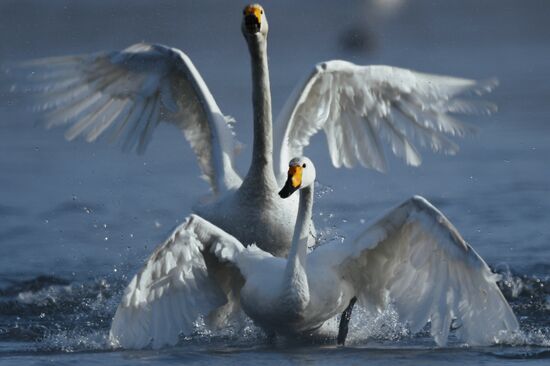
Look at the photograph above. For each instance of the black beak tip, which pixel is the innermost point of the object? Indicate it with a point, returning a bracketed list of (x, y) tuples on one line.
[(287, 190), (252, 23)]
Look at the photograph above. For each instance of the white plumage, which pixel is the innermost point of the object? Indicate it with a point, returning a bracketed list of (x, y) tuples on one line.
[(359, 106), (175, 287), (415, 258), (126, 94), (412, 257), (129, 92)]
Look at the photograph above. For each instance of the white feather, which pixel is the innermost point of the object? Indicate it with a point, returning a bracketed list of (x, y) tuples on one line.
[(177, 286), (132, 91), (356, 105), (415, 258)]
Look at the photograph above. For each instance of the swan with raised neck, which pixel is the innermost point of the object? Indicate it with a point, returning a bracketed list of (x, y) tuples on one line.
[(263, 218), (261, 173)]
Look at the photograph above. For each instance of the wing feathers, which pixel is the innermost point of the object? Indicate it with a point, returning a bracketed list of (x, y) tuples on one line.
[(415, 259), (177, 286), (397, 104), (133, 90)]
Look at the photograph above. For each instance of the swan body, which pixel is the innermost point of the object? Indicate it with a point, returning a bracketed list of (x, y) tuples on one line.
[(125, 94), (412, 258), (255, 216), (276, 310)]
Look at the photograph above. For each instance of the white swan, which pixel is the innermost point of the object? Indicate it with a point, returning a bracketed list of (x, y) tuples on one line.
[(126, 94), (412, 257)]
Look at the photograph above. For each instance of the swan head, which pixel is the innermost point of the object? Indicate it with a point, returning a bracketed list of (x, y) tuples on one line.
[(301, 174), (254, 21)]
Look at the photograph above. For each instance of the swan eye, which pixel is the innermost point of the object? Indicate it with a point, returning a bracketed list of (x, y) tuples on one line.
[(303, 165), (261, 11)]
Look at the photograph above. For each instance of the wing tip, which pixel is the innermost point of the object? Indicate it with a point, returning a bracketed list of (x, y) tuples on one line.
[(484, 86)]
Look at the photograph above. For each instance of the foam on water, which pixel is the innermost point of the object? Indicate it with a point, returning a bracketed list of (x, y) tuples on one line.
[(50, 314)]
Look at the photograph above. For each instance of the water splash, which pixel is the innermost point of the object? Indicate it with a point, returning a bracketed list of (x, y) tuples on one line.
[(57, 314), (60, 315), (322, 190)]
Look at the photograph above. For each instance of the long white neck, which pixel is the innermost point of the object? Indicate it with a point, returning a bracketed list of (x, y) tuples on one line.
[(295, 280), (261, 169)]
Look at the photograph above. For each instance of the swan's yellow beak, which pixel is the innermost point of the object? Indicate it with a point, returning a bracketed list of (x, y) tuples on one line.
[(295, 175), (253, 17), (293, 182)]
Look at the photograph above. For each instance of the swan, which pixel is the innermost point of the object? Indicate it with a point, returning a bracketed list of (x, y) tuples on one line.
[(124, 95), (412, 258)]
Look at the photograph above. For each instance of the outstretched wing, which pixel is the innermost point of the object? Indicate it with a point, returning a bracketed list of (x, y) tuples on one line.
[(415, 258), (359, 106), (186, 277), (126, 94)]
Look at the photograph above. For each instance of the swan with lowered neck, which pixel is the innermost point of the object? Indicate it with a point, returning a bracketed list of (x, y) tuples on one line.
[(412, 257), (126, 94)]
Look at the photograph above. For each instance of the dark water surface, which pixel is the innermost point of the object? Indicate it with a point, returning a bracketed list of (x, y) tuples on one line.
[(77, 220)]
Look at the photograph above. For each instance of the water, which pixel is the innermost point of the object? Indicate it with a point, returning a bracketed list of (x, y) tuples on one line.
[(78, 220)]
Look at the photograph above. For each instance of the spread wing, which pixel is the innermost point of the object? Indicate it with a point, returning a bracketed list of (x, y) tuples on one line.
[(415, 258), (187, 277), (126, 94), (360, 106)]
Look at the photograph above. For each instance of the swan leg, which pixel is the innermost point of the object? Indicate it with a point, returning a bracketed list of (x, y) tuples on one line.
[(344, 322)]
